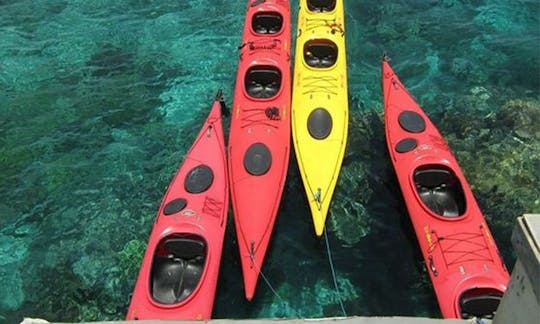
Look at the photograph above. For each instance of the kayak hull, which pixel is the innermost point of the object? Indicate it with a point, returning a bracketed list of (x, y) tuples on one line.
[(259, 139), (462, 259), (320, 112), (180, 267)]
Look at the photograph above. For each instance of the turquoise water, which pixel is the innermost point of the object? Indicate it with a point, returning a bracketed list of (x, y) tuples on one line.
[(99, 101)]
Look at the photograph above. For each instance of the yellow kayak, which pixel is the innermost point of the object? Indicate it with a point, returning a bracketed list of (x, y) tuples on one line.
[(320, 112)]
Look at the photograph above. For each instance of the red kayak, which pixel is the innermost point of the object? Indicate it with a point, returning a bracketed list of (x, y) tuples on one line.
[(259, 140), (179, 271), (462, 259)]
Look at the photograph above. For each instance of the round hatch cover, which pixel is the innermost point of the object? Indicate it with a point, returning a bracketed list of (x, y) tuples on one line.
[(406, 145), (174, 206), (319, 123), (199, 179), (412, 122), (257, 159)]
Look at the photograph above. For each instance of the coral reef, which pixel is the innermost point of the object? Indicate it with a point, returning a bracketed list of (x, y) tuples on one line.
[(321, 300), (498, 152)]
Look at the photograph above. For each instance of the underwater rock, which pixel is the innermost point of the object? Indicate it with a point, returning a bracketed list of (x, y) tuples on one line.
[(92, 269), (502, 18), (7, 215), (311, 302), (130, 259), (461, 67), (349, 218), (481, 93), (498, 152), (12, 289), (13, 252), (350, 221), (110, 60), (522, 116)]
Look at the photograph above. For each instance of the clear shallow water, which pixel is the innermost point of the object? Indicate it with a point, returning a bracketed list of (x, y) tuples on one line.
[(99, 101)]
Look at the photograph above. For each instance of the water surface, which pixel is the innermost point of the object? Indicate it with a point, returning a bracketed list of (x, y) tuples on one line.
[(99, 101)]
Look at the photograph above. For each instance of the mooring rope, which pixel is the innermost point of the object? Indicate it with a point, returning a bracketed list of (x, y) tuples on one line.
[(261, 273), (334, 273), (270, 286)]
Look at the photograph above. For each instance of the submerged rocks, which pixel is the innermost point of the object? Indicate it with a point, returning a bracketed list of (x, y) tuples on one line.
[(13, 252), (498, 150), (350, 221), (522, 116), (320, 300)]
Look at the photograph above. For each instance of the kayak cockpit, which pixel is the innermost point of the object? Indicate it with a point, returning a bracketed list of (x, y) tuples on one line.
[(267, 23), (321, 5), (320, 53), (440, 190), (262, 81), (177, 268), (479, 302)]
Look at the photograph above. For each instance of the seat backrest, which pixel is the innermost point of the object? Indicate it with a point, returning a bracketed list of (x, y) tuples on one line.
[(267, 23), (166, 275), (483, 306), (185, 248), (440, 200), (431, 178), (320, 55), (262, 82), (321, 5)]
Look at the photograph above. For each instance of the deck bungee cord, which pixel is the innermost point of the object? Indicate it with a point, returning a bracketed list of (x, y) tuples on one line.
[(260, 116), (323, 84), (458, 239)]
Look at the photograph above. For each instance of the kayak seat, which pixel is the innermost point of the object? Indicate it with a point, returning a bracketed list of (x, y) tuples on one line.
[(185, 247), (321, 5), (484, 305), (440, 191), (267, 23), (440, 200), (262, 82), (176, 275), (320, 54)]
